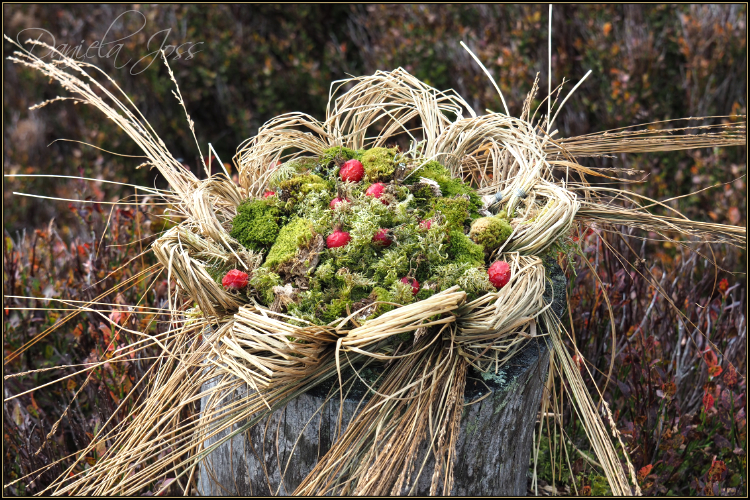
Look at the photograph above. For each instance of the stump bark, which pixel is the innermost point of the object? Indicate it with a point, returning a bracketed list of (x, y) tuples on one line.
[(493, 450)]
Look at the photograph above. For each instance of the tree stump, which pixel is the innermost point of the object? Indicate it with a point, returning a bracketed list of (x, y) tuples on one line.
[(493, 449)]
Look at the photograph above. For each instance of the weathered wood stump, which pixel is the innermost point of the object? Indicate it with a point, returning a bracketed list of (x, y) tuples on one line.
[(493, 449)]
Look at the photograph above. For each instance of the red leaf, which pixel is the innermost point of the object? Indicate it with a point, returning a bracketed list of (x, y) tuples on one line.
[(645, 471), (710, 357), (708, 401), (106, 332)]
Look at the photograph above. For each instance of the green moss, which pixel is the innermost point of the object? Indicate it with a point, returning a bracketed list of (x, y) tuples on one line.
[(379, 164), (455, 211), (300, 185), (291, 237), (380, 294), (262, 281), (359, 293), (423, 194), (490, 232), (435, 171), (289, 169), (256, 224), (449, 185), (461, 249), (334, 310)]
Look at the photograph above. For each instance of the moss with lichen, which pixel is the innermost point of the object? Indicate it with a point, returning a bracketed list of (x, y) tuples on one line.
[(262, 282), (470, 278), (256, 224), (490, 232), (291, 237), (364, 272), (379, 164)]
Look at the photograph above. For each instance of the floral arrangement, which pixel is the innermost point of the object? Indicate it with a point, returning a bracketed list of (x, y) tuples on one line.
[(360, 232)]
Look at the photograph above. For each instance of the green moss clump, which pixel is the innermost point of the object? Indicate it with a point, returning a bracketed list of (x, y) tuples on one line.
[(490, 232), (256, 224), (462, 249), (334, 310), (380, 294), (337, 153), (294, 235), (425, 293), (298, 186), (449, 185), (379, 164), (455, 211), (423, 193), (263, 281)]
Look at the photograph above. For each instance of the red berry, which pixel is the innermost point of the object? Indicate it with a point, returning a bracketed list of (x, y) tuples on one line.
[(352, 171), (338, 239), (499, 273), (336, 201), (413, 282), (376, 191), (268, 193), (234, 280), (425, 224), (381, 238)]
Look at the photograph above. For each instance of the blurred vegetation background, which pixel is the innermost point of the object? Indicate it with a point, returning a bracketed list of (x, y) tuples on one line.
[(253, 62)]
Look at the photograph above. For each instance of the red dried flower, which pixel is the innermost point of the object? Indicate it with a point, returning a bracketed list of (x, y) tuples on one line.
[(337, 239), (381, 238), (336, 201), (425, 224), (268, 193), (234, 280), (376, 191), (723, 285), (352, 171), (499, 273), (413, 282)]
